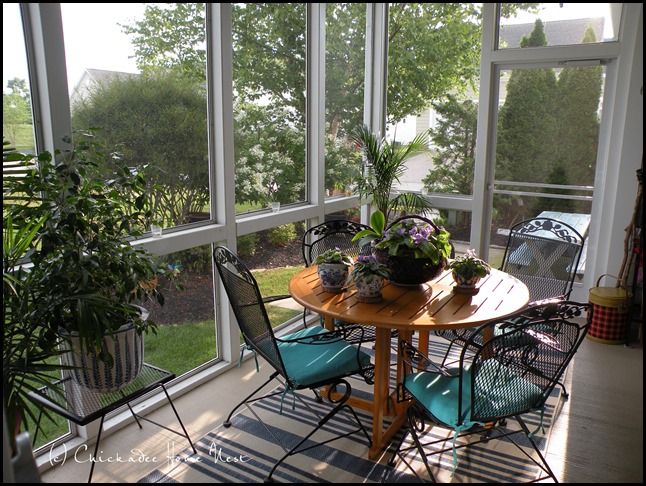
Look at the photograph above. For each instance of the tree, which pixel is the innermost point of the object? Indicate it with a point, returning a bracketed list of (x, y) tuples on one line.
[(579, 92), (158, 120), (433, 48), (16, 109), (171, 36), (455, 142), (527, 121), (270, 156)]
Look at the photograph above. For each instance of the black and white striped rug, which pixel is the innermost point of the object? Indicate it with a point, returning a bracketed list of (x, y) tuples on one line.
[(246, 451)]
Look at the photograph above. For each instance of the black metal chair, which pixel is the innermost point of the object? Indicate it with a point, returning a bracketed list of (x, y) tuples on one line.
[(311, 358), (544, 254), (335, 234), (508, 376)]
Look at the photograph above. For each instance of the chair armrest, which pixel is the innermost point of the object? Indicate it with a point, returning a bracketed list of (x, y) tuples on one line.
[(415, 361), (274, 298)]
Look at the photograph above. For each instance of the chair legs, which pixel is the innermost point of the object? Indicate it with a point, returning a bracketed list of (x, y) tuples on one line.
[(338, 402), (417, 423)]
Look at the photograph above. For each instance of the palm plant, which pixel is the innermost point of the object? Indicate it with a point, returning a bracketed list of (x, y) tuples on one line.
[(385, 164), (27, 346)]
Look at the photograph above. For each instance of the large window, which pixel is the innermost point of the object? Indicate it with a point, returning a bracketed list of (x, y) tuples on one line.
[(17, 121), (433, 56), (269, 104), (138, 73), (345, 39)]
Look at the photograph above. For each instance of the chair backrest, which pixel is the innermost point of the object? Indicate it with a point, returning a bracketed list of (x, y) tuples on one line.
[(516, 370), (544, 254), (245, 298), (332, 234)]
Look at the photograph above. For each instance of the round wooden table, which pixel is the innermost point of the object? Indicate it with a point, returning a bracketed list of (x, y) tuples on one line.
[(420, 308)]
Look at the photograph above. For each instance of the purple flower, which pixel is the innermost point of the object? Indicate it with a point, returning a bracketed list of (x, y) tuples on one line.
[(366, 259), (418, 238)]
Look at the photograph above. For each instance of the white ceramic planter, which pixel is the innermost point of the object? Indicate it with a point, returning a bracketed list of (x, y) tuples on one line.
[(126, 347)]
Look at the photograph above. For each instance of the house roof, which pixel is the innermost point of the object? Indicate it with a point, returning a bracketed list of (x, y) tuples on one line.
[(558, 32)]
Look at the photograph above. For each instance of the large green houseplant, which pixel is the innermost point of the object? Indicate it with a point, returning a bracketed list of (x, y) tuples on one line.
[(86, 280), (385, 164)]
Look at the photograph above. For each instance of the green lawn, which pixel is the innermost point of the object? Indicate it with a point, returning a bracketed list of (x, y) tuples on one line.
[(24, 138)]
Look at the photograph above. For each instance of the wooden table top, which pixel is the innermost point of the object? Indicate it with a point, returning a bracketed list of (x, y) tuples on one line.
[(429, 306)]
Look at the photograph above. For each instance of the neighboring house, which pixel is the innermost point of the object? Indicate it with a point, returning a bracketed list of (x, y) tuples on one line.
[(91, 77)]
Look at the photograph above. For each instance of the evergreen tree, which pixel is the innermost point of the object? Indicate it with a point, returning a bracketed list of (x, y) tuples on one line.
[(455, 141), (579, 92), (526, 149)]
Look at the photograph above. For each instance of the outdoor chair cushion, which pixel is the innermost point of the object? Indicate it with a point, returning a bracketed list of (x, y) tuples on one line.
[(311, 364)]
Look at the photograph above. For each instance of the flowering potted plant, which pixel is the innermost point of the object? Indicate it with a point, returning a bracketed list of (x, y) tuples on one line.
[(413, 247), (467, 270), (333, 266), (368, 276)]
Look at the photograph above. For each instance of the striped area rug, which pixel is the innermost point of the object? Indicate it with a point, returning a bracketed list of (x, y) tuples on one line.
[(246, 451)]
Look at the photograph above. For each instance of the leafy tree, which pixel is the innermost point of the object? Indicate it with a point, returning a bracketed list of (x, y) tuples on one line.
[(455, 141), (171, 36), (16, 109), (159, 121), (270, 161), (433, 48)]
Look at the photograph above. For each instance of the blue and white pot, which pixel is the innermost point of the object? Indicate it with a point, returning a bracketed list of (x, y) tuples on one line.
[(369, 292), (333, 276), (125, 345), (465, 285)]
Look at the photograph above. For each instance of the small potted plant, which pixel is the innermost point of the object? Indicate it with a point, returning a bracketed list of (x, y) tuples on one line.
[(467, 270), (368, 276), (333, 266)]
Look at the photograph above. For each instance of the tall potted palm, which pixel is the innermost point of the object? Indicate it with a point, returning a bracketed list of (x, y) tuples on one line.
[(385, 164)]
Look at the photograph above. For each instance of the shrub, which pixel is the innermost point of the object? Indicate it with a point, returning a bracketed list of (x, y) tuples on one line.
[(282, 235), (247, 244)]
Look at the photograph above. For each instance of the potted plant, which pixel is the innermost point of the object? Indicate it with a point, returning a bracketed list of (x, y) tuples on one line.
[(467, 270), (87, 281), (332, 269), (385, 164), (368, 276), (413, 247)]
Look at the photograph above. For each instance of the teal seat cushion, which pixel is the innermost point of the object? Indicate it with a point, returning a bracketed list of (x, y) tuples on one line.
[(499, 392), (308, 364)]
